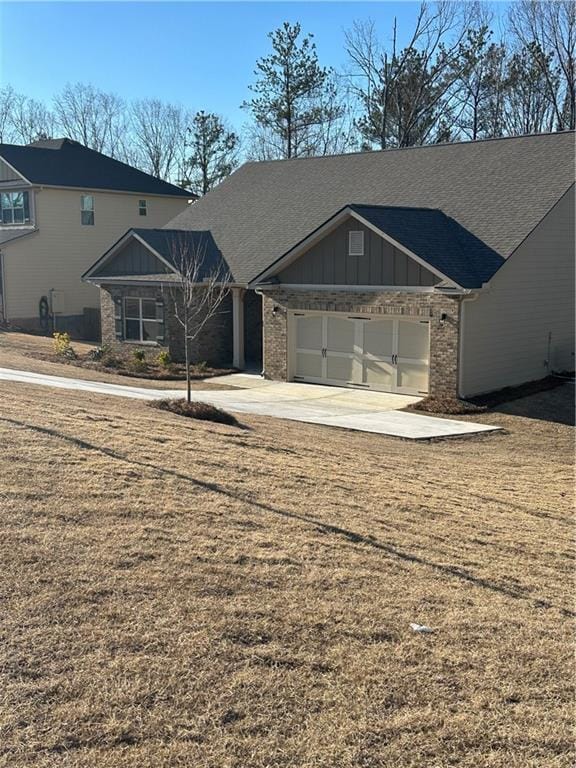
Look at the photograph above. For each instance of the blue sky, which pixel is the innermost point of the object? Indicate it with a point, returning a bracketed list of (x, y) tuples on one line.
[(199, 54)]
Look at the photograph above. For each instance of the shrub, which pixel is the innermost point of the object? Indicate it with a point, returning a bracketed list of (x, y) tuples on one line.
[(111, 360), (200, 367), (195, 410), (97, 354), (164, 360), (139, 355), (62, 345)]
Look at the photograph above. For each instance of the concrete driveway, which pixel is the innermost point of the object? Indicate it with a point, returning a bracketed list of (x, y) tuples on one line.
[(315, 404)]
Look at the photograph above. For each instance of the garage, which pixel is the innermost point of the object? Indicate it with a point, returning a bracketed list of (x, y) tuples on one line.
[(383, 353)]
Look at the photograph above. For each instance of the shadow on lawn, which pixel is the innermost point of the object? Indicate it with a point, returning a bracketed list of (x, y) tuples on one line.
[(351, 536)]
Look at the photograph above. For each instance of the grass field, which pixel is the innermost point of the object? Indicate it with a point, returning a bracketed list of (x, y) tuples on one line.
[(178, 593)]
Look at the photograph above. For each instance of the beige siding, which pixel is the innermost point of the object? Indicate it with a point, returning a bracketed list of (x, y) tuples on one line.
[(7, 174), (328, 263), (62, 250), (527, 315)]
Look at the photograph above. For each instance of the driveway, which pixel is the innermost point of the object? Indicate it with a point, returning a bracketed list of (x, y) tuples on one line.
[(332, 406)]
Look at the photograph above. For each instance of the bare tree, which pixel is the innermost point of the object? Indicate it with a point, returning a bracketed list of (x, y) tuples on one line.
[(405, 94), (8, 97), (548, 31), (527, 106), (92, 117), (478, 97), (158, 137), (31, 120), (198, 293)]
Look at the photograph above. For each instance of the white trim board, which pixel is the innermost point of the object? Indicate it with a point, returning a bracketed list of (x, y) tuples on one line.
[(304, 245)]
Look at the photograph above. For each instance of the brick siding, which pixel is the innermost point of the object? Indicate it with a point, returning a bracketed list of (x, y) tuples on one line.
[(213, 345), (444, 334)]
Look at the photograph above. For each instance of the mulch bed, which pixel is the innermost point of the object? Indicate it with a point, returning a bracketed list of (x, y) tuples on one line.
[(151, 371), (453, 406), (196, 410)]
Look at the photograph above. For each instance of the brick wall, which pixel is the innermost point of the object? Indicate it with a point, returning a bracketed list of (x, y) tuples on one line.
[(444, 334), (213, 345)]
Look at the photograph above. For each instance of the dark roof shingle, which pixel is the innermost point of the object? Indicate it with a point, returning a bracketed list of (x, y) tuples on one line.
[(66, 163), (496, 190), (175, 247), (438, 239)]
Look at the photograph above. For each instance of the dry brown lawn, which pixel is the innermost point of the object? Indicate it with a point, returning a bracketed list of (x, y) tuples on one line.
[(179, 593)]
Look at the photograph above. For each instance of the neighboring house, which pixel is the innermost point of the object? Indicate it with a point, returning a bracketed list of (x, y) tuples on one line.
[(444, 269), (61, 205)]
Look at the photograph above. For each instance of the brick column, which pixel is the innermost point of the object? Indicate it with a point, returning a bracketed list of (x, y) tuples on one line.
[(275, 328), (444, 345)]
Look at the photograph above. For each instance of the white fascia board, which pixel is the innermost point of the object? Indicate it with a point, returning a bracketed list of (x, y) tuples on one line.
[(403, 249), (155, 253), (332, 224), (190, 199), (304, 245), (105, 258), (347, 287), (16, 171), (116, 248)]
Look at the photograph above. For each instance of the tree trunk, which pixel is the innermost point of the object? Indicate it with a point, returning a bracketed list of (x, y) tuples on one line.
[(187, 363)]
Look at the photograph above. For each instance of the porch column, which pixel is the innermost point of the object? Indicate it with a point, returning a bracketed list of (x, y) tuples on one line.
[(238, 328)]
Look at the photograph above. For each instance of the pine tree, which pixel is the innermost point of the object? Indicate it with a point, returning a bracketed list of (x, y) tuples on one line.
[(214, 153), (295, 98)]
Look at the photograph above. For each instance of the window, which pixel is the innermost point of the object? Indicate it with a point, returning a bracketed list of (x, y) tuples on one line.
[(143, 320), (87, 209), (14, 208), (142, 209), (356, 243)]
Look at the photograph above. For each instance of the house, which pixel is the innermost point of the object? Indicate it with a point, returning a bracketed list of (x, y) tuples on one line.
[(445, 269), (61, 205)]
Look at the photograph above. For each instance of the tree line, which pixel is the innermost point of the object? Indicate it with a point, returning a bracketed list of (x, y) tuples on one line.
[(453, 80)]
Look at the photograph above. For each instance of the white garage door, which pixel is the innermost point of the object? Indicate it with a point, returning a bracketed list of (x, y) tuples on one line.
[(384, 353)]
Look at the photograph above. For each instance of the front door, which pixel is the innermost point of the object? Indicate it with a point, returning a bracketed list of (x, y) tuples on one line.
[(382, 353)]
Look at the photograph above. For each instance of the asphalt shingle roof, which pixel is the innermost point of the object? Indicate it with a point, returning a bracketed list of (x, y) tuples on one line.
[(175, 246), (66, 163), (437, 239), (496, 190)]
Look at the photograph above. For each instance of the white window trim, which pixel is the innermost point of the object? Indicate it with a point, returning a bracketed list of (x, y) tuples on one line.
[(83, 196), (143, 207), (30, 222), (351, 234), (141, 320)]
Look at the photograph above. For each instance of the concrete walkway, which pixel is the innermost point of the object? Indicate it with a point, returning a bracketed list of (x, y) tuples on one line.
[(315, 404)]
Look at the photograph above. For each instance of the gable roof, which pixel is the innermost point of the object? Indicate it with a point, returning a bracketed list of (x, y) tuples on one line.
[(438, 239), (426, 234), (66, 163), (170, 246), (497, 190)]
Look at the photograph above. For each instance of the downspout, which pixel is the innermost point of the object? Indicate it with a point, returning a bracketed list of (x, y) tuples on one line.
[(469, 299), (3, 309)]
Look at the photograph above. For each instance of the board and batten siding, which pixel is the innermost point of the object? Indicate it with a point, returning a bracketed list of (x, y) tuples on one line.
[(328, 263), (522, 327), (63, 249), (134, 259)]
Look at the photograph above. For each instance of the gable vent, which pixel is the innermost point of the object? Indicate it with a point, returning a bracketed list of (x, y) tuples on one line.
[(356, 243)]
